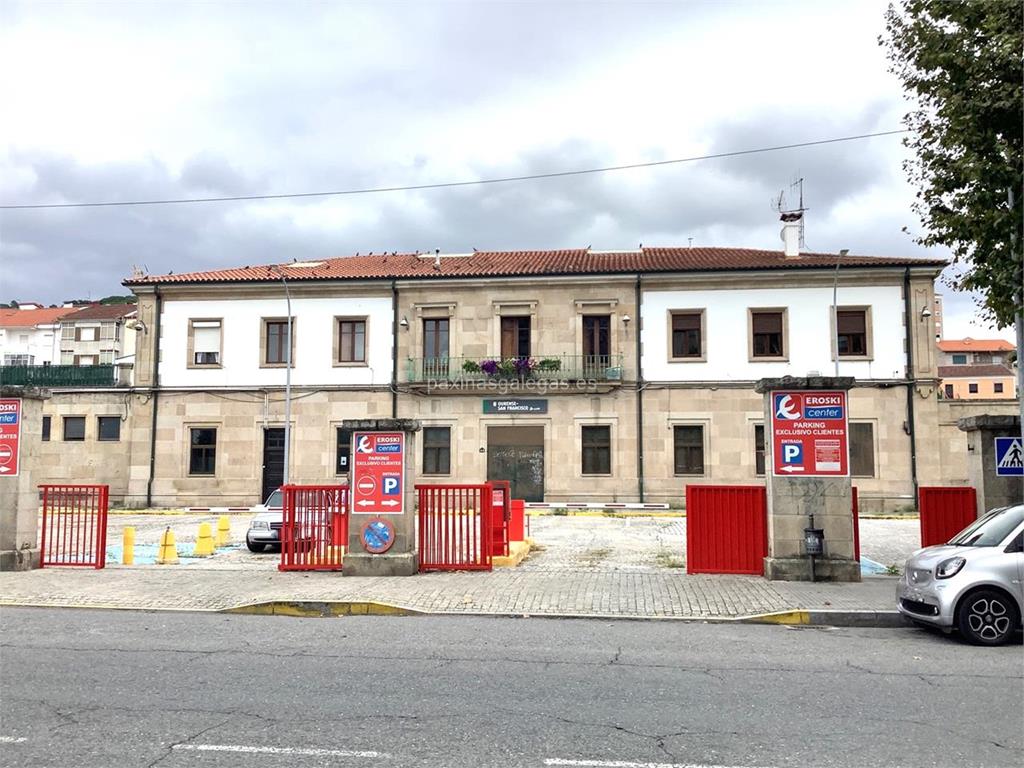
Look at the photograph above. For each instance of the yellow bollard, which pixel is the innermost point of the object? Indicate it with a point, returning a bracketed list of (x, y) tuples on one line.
[(128, 547), (204, 544), (223, 531), (168, 552)]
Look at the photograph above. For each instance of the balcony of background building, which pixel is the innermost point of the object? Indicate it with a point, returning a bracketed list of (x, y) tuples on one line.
[(51, 376), (605, 369)]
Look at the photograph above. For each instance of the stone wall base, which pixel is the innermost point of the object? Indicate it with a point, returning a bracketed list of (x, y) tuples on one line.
[(19, 559), (799, 569), (360, 564)]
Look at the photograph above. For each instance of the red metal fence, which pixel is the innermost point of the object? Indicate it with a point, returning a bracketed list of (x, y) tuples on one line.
[(314, 527), (74, 530), (455, 530), (726, 529), (945, 512), (501, 499)]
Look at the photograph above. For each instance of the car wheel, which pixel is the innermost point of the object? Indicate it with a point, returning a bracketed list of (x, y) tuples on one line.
[(987, 617), (254, 547)]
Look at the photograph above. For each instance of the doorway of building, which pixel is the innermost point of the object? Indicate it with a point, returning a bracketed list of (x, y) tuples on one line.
[(516, 454), (273, 460)]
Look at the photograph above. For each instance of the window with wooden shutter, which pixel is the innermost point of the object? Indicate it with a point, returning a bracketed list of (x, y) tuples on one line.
[(351, 341), (515, 337), (766, 327), (205, 343), (862, 449), (597, 450), (688, 449), (687, 335), (852, 332)]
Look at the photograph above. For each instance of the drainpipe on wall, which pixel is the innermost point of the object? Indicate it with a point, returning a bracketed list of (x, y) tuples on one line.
[(156, 397), (911, 378), (639, 397), (394, 350)]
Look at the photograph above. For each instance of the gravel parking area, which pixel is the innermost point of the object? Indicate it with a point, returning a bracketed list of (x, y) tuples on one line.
[(563, 543)]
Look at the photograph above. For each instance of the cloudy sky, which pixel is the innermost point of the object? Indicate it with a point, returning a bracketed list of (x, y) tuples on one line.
[(142, 100)]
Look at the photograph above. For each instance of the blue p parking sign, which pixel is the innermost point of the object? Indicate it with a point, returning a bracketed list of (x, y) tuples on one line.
[(1009, 456)]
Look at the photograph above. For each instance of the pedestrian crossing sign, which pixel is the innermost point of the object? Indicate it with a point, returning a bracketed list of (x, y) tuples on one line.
[(1009, 456)]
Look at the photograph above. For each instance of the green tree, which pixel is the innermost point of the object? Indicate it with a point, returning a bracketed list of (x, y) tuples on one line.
[(961, 62)]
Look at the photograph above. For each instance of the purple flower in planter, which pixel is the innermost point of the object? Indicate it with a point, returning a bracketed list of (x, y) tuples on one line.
[(523, 365), (490, 367)]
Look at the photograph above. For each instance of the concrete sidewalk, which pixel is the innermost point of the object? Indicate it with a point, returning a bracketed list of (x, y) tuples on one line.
[(606, 594)]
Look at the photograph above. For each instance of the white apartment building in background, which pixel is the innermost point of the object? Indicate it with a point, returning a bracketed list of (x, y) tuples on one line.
[(30, 335)]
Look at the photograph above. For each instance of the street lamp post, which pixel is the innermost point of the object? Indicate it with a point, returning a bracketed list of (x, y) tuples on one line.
[(835, 311), (287, 378)]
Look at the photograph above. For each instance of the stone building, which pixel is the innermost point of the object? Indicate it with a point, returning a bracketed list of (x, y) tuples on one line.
[(576, 374), (977, 369)]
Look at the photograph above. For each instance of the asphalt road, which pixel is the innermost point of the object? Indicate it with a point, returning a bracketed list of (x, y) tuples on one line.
[(112, 689)]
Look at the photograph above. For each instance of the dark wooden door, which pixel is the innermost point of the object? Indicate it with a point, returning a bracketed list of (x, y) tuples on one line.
[(522, 466), (273, 460)]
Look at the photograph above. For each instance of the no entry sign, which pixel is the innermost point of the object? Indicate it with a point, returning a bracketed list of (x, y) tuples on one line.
[(809, 434), (10, 437), (378, 473)]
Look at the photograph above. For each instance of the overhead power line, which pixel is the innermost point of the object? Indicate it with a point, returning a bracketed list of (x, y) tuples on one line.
[(448, 184)]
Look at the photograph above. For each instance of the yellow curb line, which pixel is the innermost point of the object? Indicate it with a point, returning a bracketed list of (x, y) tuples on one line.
[(780, 617), (517, 552), (317, 609)]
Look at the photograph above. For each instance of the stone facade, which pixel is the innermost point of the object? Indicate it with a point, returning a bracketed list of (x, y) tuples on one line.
[(728, 410)]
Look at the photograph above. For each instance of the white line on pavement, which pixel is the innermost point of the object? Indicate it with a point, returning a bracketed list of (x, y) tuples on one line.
[(278, 750), (12, 739), (629, 764)]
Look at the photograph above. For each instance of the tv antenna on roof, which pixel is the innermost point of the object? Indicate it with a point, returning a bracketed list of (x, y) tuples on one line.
[(782, 206)]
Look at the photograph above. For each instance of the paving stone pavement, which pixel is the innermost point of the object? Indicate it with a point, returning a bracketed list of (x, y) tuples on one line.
[(595, 593), (614, 567)]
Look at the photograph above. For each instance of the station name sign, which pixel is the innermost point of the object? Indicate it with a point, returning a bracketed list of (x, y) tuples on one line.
[(515, 406), (810, 434)]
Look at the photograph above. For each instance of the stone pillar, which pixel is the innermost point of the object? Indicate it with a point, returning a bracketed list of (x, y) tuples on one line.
[(791, 501), (19, 497), (402, 558), (993, 490)]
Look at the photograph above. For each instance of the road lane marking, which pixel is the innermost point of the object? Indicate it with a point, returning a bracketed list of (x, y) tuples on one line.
[(555, 761), (306, 752), (12, 739)]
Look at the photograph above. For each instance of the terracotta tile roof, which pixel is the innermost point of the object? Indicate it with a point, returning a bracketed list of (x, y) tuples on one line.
[(972, 371), (975, 345), (29, 318), (101, 312), (582, 261)]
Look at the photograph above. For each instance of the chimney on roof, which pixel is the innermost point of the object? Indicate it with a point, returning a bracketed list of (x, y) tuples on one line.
[(791, 224), (437, 258)]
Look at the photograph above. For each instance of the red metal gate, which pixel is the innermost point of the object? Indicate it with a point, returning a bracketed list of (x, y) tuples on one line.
[(945, 512), (314, 527), (455, 531), (501, 498), (726, 529), (74, 530)]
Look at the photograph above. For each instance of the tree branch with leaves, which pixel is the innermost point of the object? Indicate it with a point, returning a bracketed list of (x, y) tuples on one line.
[(962, 62)]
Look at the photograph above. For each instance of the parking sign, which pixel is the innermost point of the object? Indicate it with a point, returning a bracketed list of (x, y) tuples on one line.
[(378, 466), (809, 434), (10, 437)]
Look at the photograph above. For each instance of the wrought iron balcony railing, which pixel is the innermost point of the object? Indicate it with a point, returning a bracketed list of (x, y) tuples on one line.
[(605, 368), (58, 375)]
